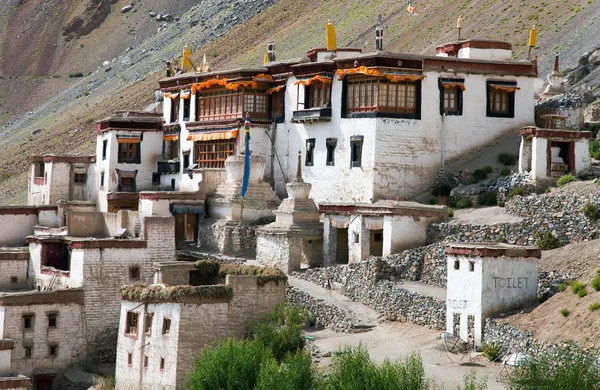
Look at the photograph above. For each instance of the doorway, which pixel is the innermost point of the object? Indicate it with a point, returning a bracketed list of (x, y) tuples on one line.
[(376, 244), (185, 228), (43, 382), (341, 250)]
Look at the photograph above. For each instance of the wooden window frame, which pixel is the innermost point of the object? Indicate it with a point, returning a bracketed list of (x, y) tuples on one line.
[(215, 158), (317, 95), (174, 110), (458, 93), (132, 321), (28, 351), (221, 103), (166, 326), (278, 106), (80, 178), (28, 319), (129, 153), (148, 323), (52, 320), (50, 348), (505, 97)]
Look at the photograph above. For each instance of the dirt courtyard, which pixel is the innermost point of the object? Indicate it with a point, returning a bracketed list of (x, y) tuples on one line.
[(395, 340)]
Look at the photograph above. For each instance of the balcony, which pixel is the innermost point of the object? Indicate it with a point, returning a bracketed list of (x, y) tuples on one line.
[(166, 167), (318, 114)]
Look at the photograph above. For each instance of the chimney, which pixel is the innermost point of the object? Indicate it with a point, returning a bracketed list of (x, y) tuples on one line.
[(271, 51), (379, 35)]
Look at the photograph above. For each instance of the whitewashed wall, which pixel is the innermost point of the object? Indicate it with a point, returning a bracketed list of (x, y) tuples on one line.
[(14, 228)]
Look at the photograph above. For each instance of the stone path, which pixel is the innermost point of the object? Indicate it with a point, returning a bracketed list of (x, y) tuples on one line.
[(361, 315)]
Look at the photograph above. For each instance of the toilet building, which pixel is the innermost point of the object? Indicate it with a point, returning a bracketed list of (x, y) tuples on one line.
[(485, 279)]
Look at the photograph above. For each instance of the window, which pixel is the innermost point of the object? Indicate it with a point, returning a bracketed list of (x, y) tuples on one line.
[(56, 255), (101, 180), (373, 94), (471, 266), (221, 103), (126, 180), (330, 143), (212, 154), (378, 237), (166, 328), (148, 323), (171, 149), (146, 361), (28, 322), (162, 364), (39, 169), (174, 110), (456, 264), (310, 152), (186, 160), (356, 143), (356, 238), (52, 350), (14, 279), (131, 323), (186, 109), (155, 178), (104, 149), (129, 153), (52, 320), (28, 351), (501, 99), (129, 359), (134, 273), (318, 94), (80, 178), (278, 106), (451, 96)]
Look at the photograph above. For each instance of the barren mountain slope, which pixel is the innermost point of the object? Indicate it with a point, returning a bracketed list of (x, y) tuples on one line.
[(294, 26)]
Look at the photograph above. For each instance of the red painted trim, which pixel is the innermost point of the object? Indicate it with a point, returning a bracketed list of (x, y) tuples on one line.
[(6, 344), (18, 210), (108, 244), (15, 255), (532, 131), (548, 158), (185, 81), (12, 383), (173, 195), (71, 295), (572, 158), (491, 250), (452, 48), (380, 210)]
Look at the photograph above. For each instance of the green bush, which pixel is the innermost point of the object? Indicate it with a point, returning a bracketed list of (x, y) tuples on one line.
[(232, 364), (479, 175), (564, 369), (505, 171), (280, 331), (590, 211), (432, 201), (594, 306), (594, 146), (464, 203), (596, 155), (596, 283), (547, 240), (516, 191), (576, 286), (491, 350), (451, 202), (488, 169), (565, 312), (547, 190), (507, 159), (75, 75), (450, 212), (489, 199), (470, 382), (501, 203), (353, 369), (565, 179), (582, 293), (296, 372), (562, 287)]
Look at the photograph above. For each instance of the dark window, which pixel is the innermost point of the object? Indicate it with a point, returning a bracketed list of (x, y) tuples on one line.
[(186, 160), (166, 328), (356, 238), (104, 149), (134, 273), (129, 359), (501, 99), (131, 323), (126, 180), (39, 169), (471, 266), (14, 279), (212, 154), (80, 178), (222, 103), (171, 149), (148, 323), (28, 351), (356, 144), (451, 96), (278, 106), (186, 109), (56, 255), (52, 320), (456, 264), (378, 237), (102, 180), (174, 110), (129, 153), (318, 94), (155, 178), (375, 94), (28, 321), (53, 350), (331, 144), (310, 152), (162, 364), (145, 361)]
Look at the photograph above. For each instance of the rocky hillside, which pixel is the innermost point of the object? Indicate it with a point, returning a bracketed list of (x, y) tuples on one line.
[(42, 42)]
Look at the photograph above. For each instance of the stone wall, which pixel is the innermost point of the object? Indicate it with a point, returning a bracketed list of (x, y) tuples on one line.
[(373, 283), (323, 314), (227, 237)]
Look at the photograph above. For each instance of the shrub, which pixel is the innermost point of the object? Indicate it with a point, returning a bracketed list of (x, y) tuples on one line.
[(564, 368), (547, 240), (432, 201), (488, 169), (232, 364), (441, 190), (489, 199), (296, 372), (352, 368), (451, 202), (565, 179), (547, 190), (505, 171), (562, 287), (596, 283), (479, 175), (281, 331), (594, 146), (582, 293), (596, 155), (594, 306), (565, 312), (598, 271), (516, 191), (590, 211), (464, 203), (491, 350), (507, 159), (470, 382), (75, 75), (450, 212), (501, 203), (576, 286)]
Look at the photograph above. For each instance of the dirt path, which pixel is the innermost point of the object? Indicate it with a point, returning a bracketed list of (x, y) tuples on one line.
[(483, 216), (396, 340), (425, 289)]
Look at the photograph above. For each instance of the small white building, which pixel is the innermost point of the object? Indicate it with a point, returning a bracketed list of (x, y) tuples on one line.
[(485, 279), (550, 152), (163, 329)]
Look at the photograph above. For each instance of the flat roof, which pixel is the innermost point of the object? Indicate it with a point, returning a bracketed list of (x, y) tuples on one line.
[(492, 249)]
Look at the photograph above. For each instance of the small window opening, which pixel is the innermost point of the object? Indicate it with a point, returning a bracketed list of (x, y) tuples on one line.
[(52, 320), (166, 325), (134, 273), (104, 149), (471, 266), (28, 321), (155, 178), (356, 238), (101, 180), (53, 350), (378, 237), (148, 323), (456, 264), (39, 169), (14, 279), (331, 144), (80, 178), (28, 351), (145, 361), (186, 109), (131, 324), (356, 144), (129, 359), (310, 152), (162, 364)]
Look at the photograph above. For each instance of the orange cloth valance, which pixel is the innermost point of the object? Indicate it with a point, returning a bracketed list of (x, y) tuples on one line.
[(504, 88), (245, 84), (263, 76), (171, 137), (275, 89), (451, 84), (324, 80), (129, 140), (185, 95), (376, 73), (171, 95), (223, 83), (212, 136)]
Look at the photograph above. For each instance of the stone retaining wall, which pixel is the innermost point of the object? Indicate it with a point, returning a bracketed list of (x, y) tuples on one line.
[(324, 315)]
